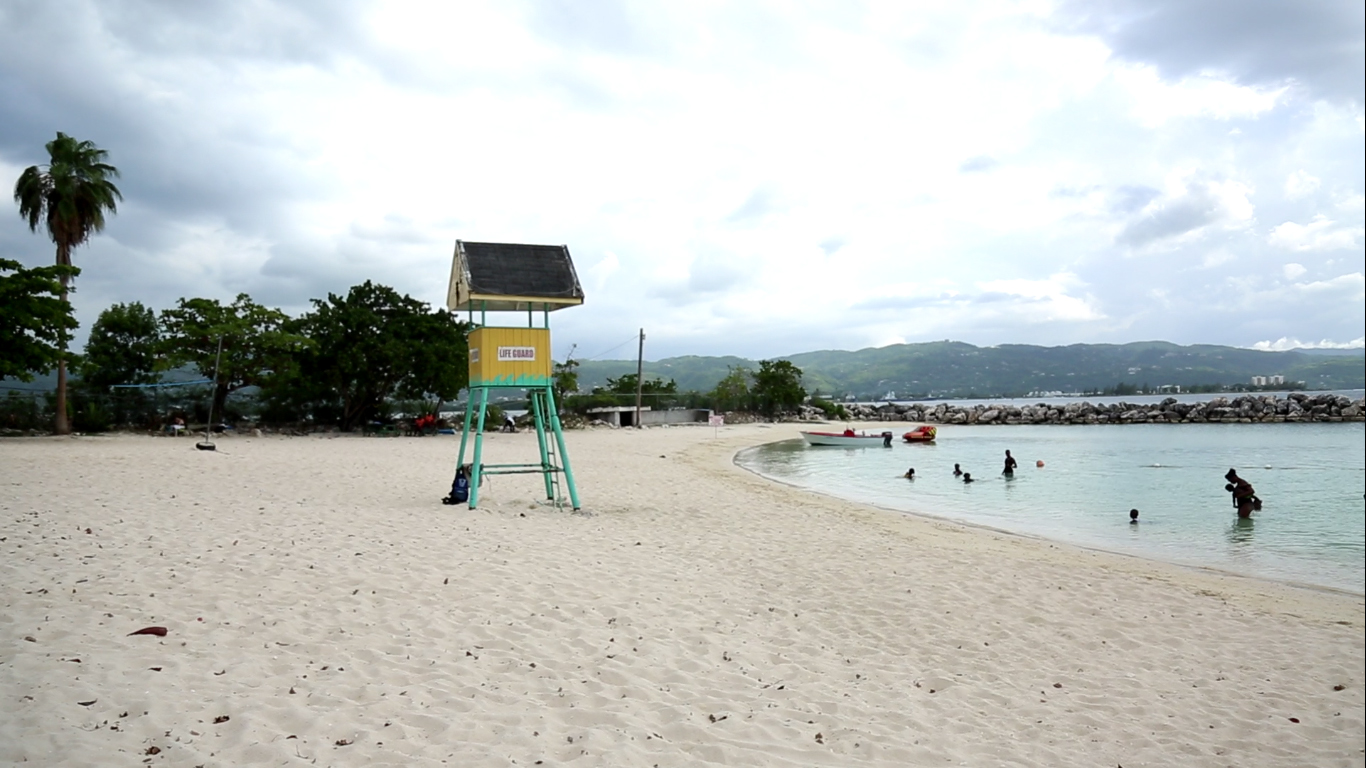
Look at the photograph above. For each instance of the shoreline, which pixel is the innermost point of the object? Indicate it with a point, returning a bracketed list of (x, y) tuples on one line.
[(315, 592), (930, 516)]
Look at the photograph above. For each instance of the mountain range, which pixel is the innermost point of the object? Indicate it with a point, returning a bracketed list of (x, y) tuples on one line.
[(949, 369)]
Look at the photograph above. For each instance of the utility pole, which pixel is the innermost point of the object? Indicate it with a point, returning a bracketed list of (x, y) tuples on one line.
[(640, 367)]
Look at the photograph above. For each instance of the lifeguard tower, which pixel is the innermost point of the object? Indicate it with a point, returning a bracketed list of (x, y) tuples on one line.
[(506, 278)]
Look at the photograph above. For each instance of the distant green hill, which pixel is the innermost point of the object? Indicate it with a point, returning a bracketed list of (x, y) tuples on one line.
[(955, 369), (946, 369)]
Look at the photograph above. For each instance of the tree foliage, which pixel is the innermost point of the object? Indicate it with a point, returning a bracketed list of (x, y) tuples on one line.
[(732, 391), (123, 348), (777, 387), (69, 196), (565, 379), (35, 323), (257, 342), (626, 385), (374, 344)]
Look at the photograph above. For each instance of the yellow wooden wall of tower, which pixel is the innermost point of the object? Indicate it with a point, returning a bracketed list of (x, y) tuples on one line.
[(510, 357)]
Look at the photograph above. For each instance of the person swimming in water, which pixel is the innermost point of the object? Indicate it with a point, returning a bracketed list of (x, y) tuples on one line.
[(910, 474), (957, 471), (967, 477), (1133, 517), (1244, 495)]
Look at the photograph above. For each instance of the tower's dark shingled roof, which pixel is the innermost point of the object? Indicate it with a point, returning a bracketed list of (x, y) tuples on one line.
[(508, 269)]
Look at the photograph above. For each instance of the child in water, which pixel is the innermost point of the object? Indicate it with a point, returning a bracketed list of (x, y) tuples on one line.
[(910, 474), (1133, 517)]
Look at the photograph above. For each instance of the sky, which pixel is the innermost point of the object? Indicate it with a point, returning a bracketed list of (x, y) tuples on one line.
[(741, 178)]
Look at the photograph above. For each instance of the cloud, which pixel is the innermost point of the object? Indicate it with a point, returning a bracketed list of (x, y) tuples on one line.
[(831, 245), (761, 203), (715, 273), (978, 164), (1285, 343), (599, 273), (1350, 286), (1300, 184), (1216, 258), (1293, 271), (1130, 198), (1188, 213), (1029, 301), (1320, 234), (1155, 102), (1315, 44), (736, 177)]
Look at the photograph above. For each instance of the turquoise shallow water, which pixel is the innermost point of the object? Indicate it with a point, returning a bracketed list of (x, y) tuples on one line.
[(1311, 478)]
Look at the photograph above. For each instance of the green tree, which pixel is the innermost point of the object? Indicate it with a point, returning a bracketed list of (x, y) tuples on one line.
[(374, 344), (70, 195), (439, 366), (565, 379), (123, 348), (626, 385), (732, 392), (35, 321), (257, 342), (777, 387)]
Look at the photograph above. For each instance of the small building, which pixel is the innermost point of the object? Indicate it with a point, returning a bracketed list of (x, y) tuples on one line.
[(1259, 381), (625, 415)]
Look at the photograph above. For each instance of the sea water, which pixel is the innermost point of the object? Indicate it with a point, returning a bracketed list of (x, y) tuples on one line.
[(1311, 478)]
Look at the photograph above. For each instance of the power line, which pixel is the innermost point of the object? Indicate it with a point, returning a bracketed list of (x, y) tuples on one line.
[(613, 349)]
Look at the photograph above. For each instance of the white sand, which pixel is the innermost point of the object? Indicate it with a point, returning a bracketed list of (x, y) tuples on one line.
[(325, 606)]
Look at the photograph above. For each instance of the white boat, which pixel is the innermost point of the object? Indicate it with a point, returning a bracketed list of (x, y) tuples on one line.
[(848, 438)]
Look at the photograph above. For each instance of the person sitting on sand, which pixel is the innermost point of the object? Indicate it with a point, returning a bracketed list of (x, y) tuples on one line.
[(910, 474), (1244, 496), (957, 471), (1133, 517), (967, 477)]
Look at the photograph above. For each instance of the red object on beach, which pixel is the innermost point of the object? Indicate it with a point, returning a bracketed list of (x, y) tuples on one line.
[(158, 631)]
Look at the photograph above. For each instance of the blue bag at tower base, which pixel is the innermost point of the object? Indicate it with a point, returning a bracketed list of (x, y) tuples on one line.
[(460, 488)]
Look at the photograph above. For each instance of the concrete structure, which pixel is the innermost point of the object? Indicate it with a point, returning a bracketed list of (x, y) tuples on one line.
[(624, 416)]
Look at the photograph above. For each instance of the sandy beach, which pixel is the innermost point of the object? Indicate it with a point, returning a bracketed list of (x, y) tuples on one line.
[(323, 608)]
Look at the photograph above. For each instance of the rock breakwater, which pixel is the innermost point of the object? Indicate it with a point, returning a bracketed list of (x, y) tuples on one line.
[(1244, 409)]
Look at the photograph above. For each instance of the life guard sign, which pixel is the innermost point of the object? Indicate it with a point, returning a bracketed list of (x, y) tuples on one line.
[(510, 357)]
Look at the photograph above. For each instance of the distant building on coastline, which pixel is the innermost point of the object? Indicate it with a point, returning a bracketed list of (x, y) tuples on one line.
[(1262, 381)]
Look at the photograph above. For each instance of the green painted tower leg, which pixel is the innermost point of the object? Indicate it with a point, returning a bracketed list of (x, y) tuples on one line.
[(538, 414), (559, 441), (478, 446), (465, 433)]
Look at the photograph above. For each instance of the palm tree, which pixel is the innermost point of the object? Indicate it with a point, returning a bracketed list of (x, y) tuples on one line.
[(71, 195)]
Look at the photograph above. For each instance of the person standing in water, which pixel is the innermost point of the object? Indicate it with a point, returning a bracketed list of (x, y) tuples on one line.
[(1244, 495), (957, 471), (1133, 517), (1010, 464)]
